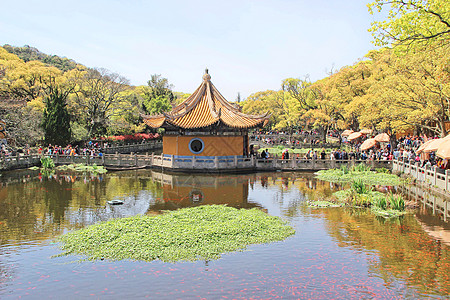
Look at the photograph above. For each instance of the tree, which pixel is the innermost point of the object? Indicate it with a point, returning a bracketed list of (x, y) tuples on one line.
[(56, 118), (411, 21), (101, 96), (158, 96), (416, 88), (238, 98)]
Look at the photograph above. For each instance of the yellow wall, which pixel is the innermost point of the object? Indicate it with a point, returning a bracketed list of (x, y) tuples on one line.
[(214, 145)]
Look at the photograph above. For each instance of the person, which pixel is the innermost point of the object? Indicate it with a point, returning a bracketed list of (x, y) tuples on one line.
[(263, 154), (286, 155), (252, 151), (322, 154)]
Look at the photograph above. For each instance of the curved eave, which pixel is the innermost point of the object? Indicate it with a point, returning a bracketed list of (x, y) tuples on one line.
[(154, 121)]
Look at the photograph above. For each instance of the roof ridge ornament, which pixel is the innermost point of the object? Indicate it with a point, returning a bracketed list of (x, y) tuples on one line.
[(206, 77)]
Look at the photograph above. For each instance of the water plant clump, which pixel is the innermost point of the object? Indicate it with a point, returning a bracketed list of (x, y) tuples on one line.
[(189, 234), (47, 163), (358, 172), (83, 168)]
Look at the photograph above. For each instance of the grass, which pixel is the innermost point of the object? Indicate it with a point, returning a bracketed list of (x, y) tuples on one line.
[(189, 234)]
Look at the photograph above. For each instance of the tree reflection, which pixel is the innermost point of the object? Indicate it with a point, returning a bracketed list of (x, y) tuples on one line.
[(404, 250)]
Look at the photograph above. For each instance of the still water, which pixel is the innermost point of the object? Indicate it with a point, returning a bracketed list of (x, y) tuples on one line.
[(335, 253)]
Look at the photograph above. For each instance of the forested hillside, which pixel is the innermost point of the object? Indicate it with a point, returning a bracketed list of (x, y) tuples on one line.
[(27, 53), (52, 99)]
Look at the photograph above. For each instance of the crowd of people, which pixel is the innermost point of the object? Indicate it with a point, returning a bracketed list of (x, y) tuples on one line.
[(90, 148), (405, 149)]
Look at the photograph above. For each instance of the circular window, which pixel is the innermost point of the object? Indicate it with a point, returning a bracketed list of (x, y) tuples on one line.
[(196, 146)]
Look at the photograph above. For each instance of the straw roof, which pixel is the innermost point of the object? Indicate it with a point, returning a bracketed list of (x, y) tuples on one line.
[(206, 107)]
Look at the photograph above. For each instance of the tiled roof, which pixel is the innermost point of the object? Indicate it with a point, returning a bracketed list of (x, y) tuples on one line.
[(205, 107)]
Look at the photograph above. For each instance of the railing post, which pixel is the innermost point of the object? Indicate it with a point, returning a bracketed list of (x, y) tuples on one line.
[(434, 175), (235, 161), (119, 159), (193, 161), (57, 158), (135, 160), (313, 165), (103, 159), (153, 155), (446, 180), (216, 162)]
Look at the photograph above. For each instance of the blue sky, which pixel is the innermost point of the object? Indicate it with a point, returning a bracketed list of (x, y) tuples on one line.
[(248, 46)]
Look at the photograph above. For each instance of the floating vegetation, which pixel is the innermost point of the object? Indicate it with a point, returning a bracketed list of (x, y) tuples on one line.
[(82, 168), (189, 234), (323, 203), (359, 172), (48, 167)]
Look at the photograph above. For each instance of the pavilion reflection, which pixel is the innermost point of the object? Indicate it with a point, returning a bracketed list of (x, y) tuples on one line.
[(180, 190)]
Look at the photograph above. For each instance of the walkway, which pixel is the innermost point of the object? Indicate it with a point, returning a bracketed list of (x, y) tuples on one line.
[(192, 164)]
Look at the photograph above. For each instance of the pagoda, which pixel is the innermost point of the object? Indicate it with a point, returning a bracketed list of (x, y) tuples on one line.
[(206, 125)]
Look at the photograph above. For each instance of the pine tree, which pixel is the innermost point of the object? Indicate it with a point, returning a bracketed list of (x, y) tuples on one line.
[(56, 120)]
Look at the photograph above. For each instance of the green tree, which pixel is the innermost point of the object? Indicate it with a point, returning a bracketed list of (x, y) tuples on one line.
[(158, 96), (56, 118), (411, 21), (101, 96)]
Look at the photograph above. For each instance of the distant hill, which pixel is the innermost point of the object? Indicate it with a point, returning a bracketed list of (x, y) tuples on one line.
[(27, 53)]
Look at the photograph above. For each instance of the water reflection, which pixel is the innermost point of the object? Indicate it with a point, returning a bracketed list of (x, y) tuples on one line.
[(180, 191), (408, 255), (404, 251)]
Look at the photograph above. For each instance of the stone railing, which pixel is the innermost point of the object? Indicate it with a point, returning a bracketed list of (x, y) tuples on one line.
[(192, 163), (147, 146), (235, 163), (19, 161), (427, 174)]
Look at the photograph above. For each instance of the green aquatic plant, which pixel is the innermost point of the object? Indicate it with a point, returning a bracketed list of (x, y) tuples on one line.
[(361, 200), (381, 203), (396, 202), (361, 168), (344, 170), (83, 168), (367, 176), (188, 234), (323, 203), (47, 162), (382, 170), (359, 187)]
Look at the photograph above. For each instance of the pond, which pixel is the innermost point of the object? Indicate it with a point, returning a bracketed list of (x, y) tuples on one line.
[(335, 253)]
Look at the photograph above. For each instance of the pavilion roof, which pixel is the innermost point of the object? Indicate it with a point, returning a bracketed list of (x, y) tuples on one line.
[(206, 107)]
